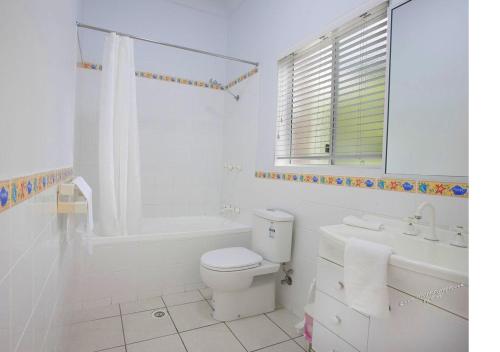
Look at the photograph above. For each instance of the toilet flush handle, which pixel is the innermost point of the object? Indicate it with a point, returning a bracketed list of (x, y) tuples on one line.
[(272, 231)]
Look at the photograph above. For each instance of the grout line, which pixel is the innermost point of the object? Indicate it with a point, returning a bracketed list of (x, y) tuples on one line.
[(298, 343), (87, 321), (33, 241), (111, 348), (123, 329), (151, 338), (274, 344), (173, 323), (236, 337), (183, 304), (272, 321)]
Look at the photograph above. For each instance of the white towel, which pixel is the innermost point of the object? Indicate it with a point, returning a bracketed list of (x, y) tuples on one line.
[(365, 276), (87, 194), (365, 224)]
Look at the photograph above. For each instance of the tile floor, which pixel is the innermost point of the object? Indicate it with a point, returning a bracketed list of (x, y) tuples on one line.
[(186, 325)]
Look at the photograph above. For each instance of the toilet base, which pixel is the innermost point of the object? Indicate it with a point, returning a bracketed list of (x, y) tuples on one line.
[(257, 299)]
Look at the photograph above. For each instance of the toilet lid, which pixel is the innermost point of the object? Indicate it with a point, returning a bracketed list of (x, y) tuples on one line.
[(234, 258)]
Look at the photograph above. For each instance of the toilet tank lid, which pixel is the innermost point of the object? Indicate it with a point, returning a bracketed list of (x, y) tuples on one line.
[(274, 215)]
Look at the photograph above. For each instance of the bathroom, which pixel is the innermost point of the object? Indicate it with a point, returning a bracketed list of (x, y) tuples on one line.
[(242, 175)]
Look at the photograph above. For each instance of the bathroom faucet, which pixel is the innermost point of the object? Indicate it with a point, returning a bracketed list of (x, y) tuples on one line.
[(418, 215)]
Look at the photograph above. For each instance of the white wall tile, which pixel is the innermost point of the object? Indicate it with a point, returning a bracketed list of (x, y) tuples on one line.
[(22, 294), (5, 314), (6, 244)]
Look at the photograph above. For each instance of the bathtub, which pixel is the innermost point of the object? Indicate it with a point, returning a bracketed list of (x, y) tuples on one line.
[(160, 259)]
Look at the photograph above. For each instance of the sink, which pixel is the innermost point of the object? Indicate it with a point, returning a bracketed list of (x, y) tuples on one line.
[(414, 253)]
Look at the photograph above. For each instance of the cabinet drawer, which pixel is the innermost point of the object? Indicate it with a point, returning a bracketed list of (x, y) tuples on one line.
[(326, 341), (347, 323), (330, 279)]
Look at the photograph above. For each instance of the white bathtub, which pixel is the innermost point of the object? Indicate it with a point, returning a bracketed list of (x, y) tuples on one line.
[(163, 258), (178, 228)]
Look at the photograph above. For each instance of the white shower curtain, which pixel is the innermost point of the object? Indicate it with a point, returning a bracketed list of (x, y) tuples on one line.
[(119, 169)]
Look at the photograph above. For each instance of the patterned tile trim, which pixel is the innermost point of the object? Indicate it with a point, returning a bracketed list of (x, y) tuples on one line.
[(19, 189), (451, 189), (163, 77), (241, 78)]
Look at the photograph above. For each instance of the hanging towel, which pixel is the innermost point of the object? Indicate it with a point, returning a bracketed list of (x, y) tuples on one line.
[(87, 194), (365, 276), (365, 224)]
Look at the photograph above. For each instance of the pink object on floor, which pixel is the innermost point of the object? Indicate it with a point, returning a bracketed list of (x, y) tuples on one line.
[(308, 328)]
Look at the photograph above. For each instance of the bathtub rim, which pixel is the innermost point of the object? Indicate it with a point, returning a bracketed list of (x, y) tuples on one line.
[(236, 228)]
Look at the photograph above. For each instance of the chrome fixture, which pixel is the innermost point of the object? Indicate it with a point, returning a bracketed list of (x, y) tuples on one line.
[(215, 82), (459, 240), (158, 314), (287, 280), (225, 57), (411, 229), (418, 215), (235, 96)]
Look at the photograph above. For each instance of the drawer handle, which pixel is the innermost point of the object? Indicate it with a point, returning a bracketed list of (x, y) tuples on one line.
[(336, 320), (340, 285)]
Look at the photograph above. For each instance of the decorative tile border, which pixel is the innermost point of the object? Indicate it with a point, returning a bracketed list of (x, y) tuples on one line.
[(451, 189), (19, 189), (168, 78), (241, 78)]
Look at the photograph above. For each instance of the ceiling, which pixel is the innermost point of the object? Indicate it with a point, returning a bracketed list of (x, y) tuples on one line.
[(216, 7)]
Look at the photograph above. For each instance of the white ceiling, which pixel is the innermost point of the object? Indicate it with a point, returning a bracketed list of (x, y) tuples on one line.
[(216, 7)]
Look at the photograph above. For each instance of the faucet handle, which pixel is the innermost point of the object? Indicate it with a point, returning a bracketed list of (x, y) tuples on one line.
[(459, 240), (411, 229)]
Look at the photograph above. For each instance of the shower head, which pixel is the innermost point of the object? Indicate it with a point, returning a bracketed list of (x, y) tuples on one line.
[(215, 82), (235, 96)]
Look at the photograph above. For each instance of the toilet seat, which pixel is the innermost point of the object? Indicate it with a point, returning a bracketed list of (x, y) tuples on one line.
[(231, 259)]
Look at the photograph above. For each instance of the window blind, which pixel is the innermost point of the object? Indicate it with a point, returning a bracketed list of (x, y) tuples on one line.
[(331, 97)]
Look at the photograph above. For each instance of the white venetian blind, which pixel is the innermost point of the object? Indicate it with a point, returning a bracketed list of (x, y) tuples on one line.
[(331, 97)]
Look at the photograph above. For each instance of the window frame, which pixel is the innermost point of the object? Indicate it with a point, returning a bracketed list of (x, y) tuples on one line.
[(355, 19)]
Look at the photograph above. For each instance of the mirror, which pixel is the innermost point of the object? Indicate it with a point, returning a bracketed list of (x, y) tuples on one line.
[(427, 113)]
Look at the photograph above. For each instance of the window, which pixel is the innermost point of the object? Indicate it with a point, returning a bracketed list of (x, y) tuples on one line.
[(331, 97)]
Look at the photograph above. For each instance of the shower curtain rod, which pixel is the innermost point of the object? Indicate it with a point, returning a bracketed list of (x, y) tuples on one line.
[(82, 25)]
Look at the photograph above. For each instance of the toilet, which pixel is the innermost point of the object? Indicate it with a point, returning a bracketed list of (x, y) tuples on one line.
[(243, 281)]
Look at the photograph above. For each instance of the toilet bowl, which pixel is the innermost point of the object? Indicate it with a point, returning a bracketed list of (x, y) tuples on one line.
[(243, 280)]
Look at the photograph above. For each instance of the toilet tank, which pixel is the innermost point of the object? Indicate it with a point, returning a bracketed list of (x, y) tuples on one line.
[(272, 234)]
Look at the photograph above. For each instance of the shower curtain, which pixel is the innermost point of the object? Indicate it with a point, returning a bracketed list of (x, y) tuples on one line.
[(119, 170)]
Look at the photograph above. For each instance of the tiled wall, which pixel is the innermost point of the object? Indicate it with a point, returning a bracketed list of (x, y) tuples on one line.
[(35, 272), (180, 141)]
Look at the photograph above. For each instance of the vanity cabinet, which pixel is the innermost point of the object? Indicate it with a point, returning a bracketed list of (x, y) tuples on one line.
[(411, 326)]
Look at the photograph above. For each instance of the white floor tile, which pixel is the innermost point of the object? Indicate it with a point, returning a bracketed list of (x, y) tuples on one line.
[(142, 305), (175, 299), (286, 320), (97, 335), (257, 332), (192, 315), (94, 313), (170, 343), (206, 292), (288, 346), (143, 326), (215, 338), (116, 349), (302, 342)]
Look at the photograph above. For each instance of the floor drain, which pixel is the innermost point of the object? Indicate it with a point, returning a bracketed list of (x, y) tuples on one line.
[(158, 314)]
